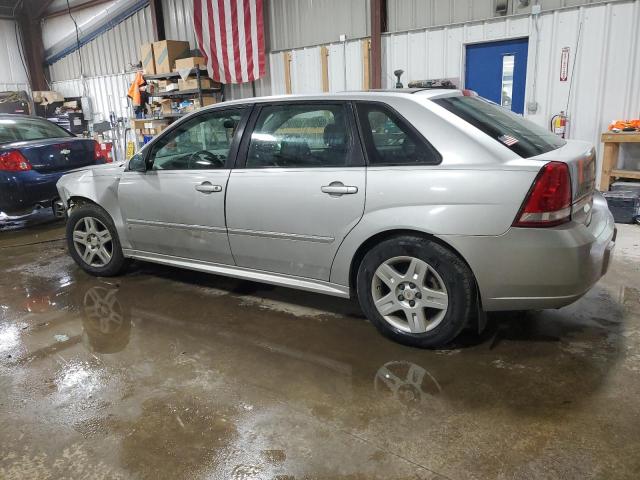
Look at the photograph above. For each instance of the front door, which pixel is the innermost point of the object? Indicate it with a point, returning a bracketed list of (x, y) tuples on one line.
[(498, 71), (299, 188), (176, 207)]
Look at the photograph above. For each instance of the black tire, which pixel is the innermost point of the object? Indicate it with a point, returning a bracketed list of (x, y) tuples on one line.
[(454, 273), (117, 263)]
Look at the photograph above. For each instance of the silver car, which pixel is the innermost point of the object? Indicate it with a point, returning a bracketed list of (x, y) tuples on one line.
[(430, 206)]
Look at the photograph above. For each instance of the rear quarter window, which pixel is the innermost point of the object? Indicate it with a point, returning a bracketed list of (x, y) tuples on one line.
[(521, 136)]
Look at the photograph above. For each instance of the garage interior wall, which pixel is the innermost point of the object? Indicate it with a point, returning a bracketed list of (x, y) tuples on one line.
[(12, 73), (605, 80), (412, 14), (178, 25), (107, 62)]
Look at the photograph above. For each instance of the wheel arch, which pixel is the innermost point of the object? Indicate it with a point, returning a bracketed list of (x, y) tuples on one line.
[(375, 239)]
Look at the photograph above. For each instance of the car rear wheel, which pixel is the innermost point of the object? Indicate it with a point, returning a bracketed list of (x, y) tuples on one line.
[(416, 291), (93, 241)]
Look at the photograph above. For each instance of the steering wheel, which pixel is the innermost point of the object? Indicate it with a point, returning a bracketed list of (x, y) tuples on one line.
[(212, 158)]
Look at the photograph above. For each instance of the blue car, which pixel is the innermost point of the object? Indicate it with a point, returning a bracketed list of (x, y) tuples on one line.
[(34, 154)]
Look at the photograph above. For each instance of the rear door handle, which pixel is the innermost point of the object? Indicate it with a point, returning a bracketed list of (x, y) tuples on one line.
[(339, 188), (208, 187)]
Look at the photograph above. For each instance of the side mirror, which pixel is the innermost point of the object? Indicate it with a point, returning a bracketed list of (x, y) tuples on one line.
[(136, 164)]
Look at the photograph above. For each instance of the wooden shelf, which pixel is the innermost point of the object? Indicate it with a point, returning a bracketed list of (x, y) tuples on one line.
[(163, 76), (184, 93), (626, 173), (612, 143)]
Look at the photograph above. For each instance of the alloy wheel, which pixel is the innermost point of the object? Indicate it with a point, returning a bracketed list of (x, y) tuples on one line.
[(93, 241), (409, 294)]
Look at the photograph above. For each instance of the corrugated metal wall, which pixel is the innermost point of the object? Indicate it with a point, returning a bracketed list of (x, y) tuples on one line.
[(108, 93), (301, 23), (12, 73), (607, 61), (412, 14), (112, 52), (290, 23)]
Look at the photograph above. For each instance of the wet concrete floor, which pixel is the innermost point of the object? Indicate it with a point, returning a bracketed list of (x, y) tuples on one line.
[(163, 373)]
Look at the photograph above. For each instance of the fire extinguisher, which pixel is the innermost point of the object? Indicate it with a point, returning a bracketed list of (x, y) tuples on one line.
[(559, 124)]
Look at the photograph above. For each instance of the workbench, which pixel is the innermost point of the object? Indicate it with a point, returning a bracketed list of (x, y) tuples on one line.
[(612, 143)]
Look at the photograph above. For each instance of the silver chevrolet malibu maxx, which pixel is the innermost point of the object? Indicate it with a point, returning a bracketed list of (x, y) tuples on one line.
[(431, 206)]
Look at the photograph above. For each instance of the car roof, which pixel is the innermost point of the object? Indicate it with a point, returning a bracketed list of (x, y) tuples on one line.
[(347, 95)]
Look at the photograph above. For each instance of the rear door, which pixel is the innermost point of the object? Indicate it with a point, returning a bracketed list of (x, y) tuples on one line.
[(298, 189)]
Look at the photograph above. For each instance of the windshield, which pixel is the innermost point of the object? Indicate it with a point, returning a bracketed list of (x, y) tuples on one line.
[(21, 129), (523, 137)]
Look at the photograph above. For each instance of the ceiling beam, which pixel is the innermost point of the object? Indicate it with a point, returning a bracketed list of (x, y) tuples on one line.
[(43, 8), (74, 8)]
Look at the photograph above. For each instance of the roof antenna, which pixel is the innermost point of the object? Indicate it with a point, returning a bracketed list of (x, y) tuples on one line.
[(398, 74)]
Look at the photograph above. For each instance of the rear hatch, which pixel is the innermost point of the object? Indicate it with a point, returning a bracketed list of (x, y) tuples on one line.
[(531, 141), (58, 154)]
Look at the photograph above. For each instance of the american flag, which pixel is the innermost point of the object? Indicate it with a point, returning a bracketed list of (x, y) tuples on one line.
[(508, 140), (230, 35)]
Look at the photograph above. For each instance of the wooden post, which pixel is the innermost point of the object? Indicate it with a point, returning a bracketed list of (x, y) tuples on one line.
[(366, 64), (324, 59), (378, 25), (287, 72), (609, 162)]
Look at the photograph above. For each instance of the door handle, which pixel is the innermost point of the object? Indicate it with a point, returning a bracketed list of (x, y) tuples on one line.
[(339, 188), (208, 187)]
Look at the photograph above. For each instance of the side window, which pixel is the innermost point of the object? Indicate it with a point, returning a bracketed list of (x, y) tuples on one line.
[(296, 136), (201, 143), (391, 141)]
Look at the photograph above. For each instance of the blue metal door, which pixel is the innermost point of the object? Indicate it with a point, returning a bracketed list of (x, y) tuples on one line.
[(498, 71)]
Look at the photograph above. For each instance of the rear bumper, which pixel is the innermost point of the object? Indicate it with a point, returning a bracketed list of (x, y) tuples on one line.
[(537, 268), (21, 192)]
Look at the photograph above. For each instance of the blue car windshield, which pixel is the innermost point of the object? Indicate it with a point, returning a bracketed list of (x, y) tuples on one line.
[(20, 129)]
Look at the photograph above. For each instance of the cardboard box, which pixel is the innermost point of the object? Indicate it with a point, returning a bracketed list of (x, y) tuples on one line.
[(154, 127), (164, 84), (191, 83), (189, 62), (166, 106), (166, 52), (171, 87), (206, 101), (147, 58)]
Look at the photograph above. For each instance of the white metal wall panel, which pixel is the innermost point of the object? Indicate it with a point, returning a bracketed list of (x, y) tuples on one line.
[(301, 23), (108, 94), (12, 73), (607, 61), (115, 51), (354, 74), (178, 20), (413, 14)]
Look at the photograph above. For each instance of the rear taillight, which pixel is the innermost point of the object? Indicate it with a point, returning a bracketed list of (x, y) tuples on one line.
[(97, 152), (102, 152), (548, 203), (14, 161)]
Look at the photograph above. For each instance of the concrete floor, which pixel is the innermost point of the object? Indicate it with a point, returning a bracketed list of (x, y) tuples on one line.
[(172, 374)]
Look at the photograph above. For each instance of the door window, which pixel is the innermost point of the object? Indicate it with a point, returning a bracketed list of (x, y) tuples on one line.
[(296, 136), (201, 143), (391, 140)]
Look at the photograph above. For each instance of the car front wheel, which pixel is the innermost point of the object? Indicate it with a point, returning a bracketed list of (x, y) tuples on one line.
[(416, 291), (93, 241)]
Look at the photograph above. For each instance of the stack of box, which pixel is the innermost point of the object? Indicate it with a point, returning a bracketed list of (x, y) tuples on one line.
[(165, 57)]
